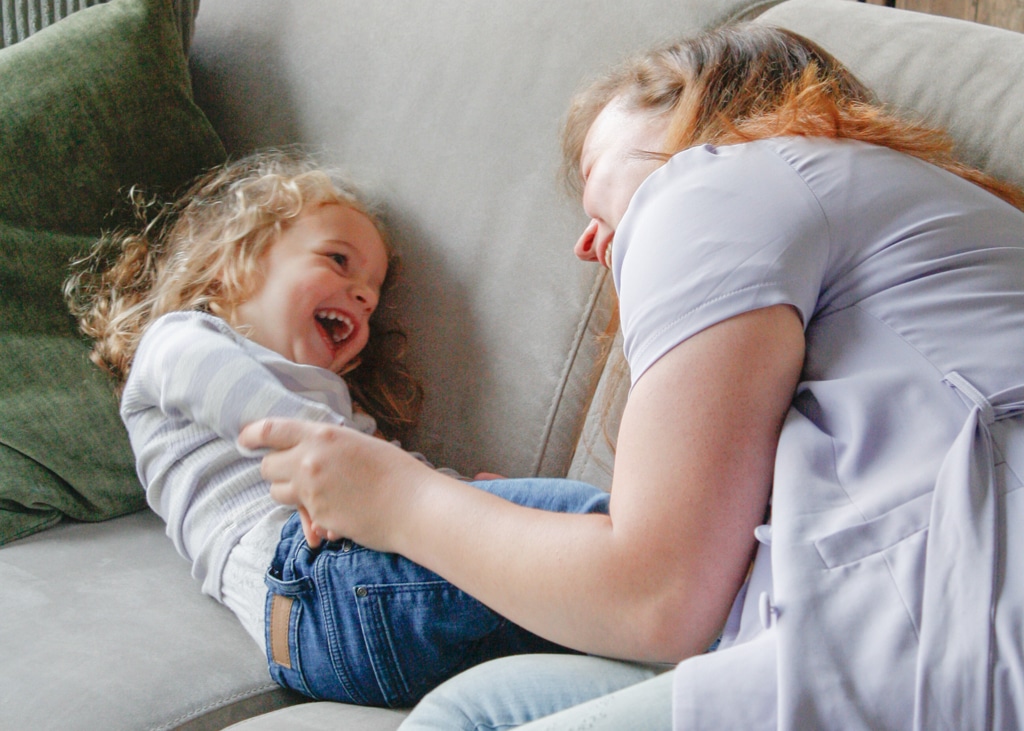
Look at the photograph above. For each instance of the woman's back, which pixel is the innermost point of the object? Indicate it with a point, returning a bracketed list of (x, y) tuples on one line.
[(910, 282)]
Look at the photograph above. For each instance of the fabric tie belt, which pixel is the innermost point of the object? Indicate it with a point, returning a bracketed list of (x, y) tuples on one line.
[(957, 646)]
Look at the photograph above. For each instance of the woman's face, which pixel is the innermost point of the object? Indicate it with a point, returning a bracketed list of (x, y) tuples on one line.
[(613, 166)]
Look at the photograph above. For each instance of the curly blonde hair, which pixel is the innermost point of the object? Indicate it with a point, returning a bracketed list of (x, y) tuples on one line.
[(204, 249), (749, 81)]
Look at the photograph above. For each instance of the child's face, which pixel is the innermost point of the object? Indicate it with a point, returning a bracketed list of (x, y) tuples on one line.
[(321, 282)]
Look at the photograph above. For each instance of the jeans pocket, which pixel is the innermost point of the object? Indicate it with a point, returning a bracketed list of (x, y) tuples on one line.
[(284, 615), (420, 634)]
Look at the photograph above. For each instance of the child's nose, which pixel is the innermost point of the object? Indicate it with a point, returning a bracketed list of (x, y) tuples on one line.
[(365, 296)]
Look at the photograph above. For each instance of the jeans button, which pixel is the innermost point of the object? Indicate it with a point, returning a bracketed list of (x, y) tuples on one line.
[(361, 591)]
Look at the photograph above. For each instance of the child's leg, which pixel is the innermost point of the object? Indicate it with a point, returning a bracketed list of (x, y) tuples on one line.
[(545, 493), (348, 624)]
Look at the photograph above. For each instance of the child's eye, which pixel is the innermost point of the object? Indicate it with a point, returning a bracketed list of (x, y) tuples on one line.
[(340, 259)]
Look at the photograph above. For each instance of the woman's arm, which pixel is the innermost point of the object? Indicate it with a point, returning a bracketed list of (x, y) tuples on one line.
[(655, 578)]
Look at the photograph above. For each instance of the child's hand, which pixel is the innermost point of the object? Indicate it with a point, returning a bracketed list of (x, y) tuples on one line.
[(310, 529), (314, 533)]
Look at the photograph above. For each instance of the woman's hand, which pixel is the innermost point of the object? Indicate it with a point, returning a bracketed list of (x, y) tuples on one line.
[(345, 483)]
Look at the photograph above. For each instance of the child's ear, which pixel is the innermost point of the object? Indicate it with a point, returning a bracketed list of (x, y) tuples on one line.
[(216, 302), (223, 301)]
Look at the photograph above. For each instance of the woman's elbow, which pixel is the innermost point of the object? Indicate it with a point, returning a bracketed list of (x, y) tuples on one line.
[(674, 625)]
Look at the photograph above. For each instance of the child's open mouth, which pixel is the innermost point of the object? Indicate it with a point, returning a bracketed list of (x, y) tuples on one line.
[(336, 326)]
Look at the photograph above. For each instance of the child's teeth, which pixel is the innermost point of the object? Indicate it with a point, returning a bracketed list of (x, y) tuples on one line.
[(342, 332)]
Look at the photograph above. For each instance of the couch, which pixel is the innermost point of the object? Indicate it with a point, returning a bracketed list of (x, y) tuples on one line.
[(449, 110)]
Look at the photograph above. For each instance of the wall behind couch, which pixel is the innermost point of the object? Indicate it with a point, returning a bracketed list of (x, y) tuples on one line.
[(1000, 13)]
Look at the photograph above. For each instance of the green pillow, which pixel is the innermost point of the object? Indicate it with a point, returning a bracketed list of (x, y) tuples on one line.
[(96, 103), (63, 449)]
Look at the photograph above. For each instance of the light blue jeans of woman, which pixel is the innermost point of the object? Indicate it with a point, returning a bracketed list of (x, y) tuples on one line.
[(553, 692)]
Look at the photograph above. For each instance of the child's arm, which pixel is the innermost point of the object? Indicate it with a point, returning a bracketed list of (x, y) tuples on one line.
[(193, 367)]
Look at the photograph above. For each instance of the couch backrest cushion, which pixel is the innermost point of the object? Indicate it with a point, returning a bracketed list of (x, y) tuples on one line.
[(451, 110), (965, 77)]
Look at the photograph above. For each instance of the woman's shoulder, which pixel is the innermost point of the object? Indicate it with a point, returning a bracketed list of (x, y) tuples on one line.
[(712, 193), (745, 162), (795, 152), (712, 177)]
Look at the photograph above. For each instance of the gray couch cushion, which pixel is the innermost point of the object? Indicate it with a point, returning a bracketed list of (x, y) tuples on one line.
[(103, 627), (324, 715)]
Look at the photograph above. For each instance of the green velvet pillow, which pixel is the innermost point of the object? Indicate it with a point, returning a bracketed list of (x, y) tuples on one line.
[(63, 449), (100, 100), (90, 106)]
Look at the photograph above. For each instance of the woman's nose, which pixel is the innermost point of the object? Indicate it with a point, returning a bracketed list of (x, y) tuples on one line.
[(584, 248)]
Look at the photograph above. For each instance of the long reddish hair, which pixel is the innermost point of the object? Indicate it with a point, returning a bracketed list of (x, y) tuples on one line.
[(750, 81)]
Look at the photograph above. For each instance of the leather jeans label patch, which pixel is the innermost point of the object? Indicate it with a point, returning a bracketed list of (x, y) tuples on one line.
[(280, 619)]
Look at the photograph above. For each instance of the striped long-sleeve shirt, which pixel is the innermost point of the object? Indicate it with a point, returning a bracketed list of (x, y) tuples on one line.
[(194, 384)]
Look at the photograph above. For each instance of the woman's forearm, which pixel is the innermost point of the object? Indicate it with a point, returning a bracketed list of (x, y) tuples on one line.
[(654, 579), (578, 580)]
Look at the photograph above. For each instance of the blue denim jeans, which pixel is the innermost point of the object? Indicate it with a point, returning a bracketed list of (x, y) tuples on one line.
[(348, 624)]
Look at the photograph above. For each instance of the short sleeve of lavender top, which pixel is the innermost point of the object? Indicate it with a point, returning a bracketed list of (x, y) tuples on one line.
[(712, 234)]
